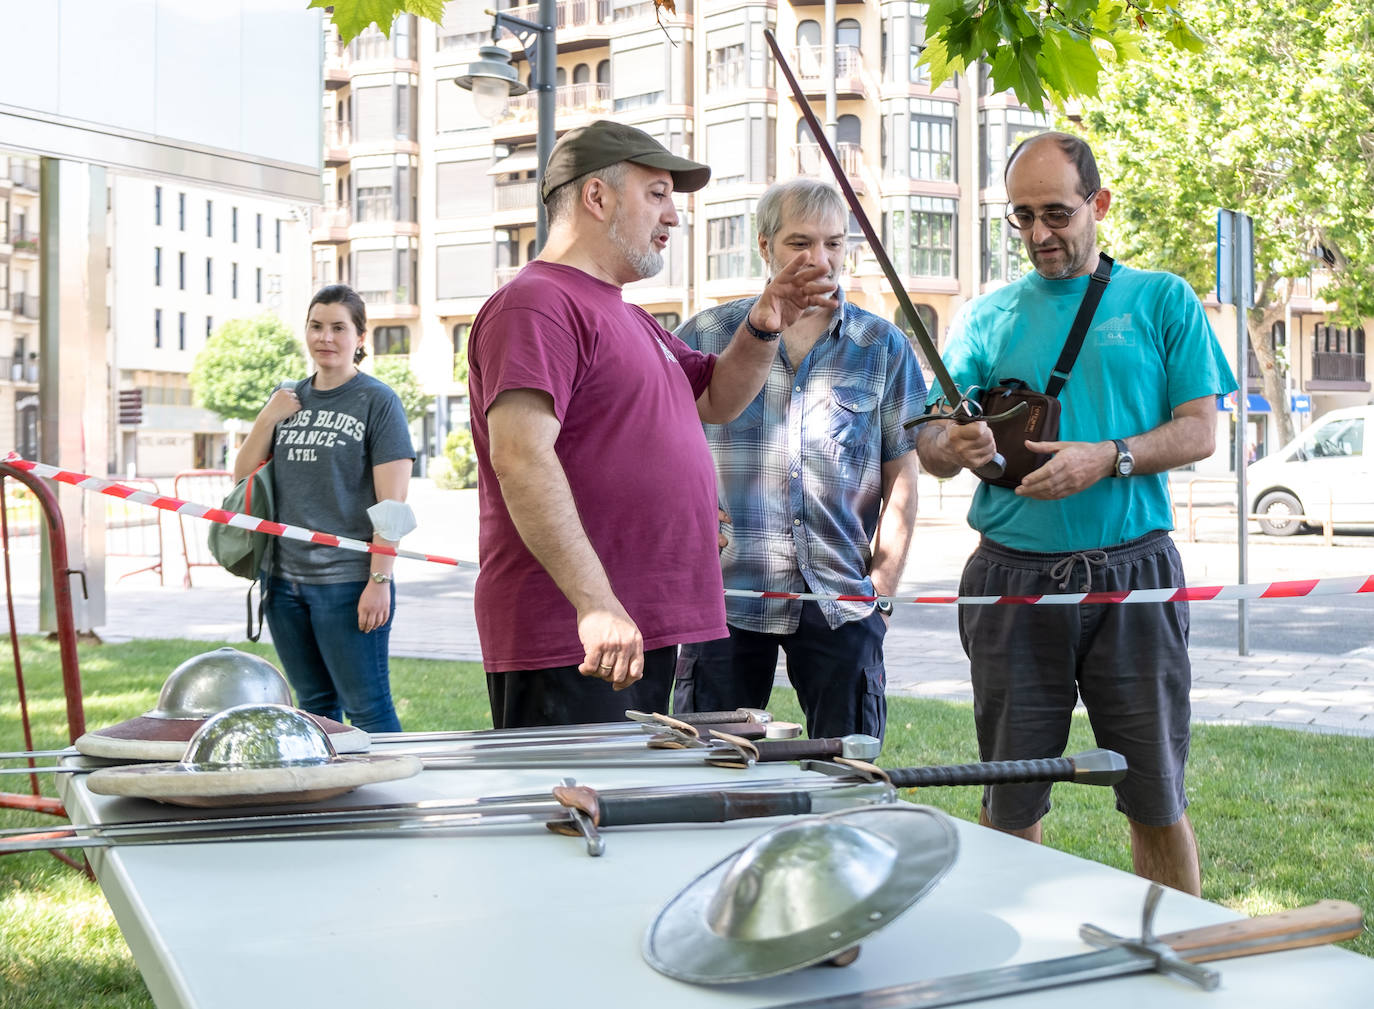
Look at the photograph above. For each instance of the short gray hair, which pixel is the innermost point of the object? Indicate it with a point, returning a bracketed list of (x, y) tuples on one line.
[(562, 200), (809, 199)]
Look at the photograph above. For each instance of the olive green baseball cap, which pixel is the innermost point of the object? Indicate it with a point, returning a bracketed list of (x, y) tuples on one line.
[(604, 143)]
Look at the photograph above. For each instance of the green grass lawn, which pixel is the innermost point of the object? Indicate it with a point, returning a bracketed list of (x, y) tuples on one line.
[(1283, 818)]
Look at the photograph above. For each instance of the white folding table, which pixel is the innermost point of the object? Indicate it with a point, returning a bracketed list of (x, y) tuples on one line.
[(520, 917)]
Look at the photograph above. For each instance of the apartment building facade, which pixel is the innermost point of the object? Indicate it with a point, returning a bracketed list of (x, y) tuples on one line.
[(184, 260), (428, 208), (19, 251)]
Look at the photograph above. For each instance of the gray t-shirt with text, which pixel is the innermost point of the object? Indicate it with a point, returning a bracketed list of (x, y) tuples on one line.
[(322, 463)]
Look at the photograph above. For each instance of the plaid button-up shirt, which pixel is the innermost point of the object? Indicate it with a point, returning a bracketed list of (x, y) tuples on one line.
[(800, 470)]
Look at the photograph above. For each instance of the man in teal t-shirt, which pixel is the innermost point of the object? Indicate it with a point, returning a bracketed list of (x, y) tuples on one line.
[(1140, 400)]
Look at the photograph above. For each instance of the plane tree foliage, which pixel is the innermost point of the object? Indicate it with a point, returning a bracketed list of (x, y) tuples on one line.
[(1275, 118)]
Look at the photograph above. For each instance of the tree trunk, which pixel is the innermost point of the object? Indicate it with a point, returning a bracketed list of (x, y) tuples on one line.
[(1273, 372)]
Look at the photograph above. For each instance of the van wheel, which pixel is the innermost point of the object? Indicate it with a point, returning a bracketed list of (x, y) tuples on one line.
[(1277, 508)]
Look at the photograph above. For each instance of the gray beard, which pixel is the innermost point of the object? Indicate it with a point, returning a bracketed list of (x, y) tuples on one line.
[(644, 264)]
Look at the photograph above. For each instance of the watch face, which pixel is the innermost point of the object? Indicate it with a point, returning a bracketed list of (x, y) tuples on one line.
[(1124, 465)]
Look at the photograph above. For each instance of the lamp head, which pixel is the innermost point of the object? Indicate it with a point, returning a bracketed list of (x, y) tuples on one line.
[(492, 80)]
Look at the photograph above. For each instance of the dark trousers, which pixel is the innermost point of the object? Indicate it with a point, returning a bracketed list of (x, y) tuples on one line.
[(838, 673), (563, 696)]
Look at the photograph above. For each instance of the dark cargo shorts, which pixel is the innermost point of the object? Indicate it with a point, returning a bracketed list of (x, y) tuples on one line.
[(1128, 661)]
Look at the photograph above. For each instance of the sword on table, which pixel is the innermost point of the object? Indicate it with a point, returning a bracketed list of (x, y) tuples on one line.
[(966, 409), (1177, 954), (667, 748), (579, 810)]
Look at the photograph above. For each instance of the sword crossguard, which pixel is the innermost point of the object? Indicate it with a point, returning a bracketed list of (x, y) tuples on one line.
[(1166, 960)]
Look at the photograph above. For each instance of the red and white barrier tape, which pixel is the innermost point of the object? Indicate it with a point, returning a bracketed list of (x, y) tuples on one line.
[(236, 519), (1302, 588)]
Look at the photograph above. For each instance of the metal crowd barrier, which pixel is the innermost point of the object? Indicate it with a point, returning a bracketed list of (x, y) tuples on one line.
[(207, 487), (34, 800), (135, 530)]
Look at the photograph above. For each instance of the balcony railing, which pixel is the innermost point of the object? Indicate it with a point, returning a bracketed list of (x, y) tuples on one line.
[(810, 62), (808, 160), (337, 133), (24, 304), (590, 97), (16, 370), (505, 274), (632, 12), (516, 195), (1337, 367), (570, 13), (395, 296), (330, 217), (4, 232), (24, 175), (25, 241)]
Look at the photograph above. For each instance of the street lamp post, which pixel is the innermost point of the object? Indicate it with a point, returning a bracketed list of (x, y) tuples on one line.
[(492, 81)]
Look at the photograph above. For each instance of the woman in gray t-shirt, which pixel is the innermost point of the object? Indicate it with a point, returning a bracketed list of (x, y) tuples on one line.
[(339, 444)]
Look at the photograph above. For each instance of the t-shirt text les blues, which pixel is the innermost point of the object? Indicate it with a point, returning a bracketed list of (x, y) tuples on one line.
[(306, 430)]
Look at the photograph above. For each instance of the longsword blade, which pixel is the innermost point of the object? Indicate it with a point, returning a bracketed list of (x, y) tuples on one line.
[(1011, 979)]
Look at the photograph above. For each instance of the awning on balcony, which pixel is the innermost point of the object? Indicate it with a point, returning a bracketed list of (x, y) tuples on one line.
[(520, 161), (1298, 402)]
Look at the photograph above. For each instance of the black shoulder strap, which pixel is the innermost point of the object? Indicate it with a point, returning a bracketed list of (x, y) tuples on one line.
[(1097, 283)]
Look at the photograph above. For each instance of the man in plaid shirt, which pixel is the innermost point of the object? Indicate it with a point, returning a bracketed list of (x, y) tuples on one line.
[(817, 480)]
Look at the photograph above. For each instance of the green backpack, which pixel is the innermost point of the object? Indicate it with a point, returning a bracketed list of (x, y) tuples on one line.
[(240, 551)]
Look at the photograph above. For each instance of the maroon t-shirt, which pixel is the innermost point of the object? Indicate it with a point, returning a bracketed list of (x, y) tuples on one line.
[(631, 444)]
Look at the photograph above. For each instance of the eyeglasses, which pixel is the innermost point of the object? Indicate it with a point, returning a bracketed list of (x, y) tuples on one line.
[(1055, 219)]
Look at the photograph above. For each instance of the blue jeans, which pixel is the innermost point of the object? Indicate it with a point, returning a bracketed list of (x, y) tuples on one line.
[(333, 667)]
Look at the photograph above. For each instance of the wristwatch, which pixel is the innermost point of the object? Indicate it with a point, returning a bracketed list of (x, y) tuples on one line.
[(379, 578), (1125, 462), (884, 607), (766, 335)]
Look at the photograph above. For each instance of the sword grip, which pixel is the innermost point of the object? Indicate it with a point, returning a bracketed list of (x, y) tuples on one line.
[(798, 749), (707, 807), (993, 468), (712, 717), (988, 772), (1313, 925)]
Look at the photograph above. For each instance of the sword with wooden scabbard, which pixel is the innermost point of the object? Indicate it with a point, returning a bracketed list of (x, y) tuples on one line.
[(1177, 954), (581, 810)]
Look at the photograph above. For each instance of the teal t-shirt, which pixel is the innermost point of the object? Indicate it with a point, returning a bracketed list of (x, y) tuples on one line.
[(1149, 348)]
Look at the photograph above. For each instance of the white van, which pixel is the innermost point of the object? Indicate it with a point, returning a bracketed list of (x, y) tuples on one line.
[(1325, 470)]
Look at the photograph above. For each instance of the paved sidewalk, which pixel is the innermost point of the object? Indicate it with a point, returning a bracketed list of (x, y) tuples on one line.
[(1292, 689)]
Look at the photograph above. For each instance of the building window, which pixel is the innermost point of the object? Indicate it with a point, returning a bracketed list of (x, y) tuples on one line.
[(460, 337), (181, 271), (464, 189), (157, 266), (727, 247), (181, 211), (464, 271), (233, 280), (641, 75), (157, 327), (209, 218), (181, 331), (278, 234), (233, 224), (1003, 253), (922, 234), (209, 326), (384, 112), (668, 320), (209, 275), (926, 315), (257, 283), (1338, 353), (999, 133), (259, 231), (391, 340), (726, 69), (157, 204), (932, 142)]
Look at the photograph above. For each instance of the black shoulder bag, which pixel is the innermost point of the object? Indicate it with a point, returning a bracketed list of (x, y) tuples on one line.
[(1040, 420)]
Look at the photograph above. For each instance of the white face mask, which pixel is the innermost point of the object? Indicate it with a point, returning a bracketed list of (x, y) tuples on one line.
[(391, 519)]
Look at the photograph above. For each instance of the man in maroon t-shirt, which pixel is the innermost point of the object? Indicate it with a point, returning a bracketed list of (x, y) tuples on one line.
[(596, 488)]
